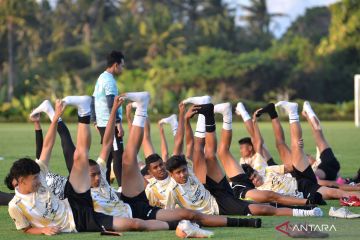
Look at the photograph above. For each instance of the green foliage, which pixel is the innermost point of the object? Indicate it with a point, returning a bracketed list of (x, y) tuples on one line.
[(176, 49)]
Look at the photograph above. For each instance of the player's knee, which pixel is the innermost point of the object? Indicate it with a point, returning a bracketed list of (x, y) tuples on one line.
[(272, 196), (138, 225), (190, 215), (210, 155), (222, 150), (261, 210)]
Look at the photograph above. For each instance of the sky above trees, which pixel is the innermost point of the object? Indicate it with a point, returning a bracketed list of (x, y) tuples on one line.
[(292, 8)]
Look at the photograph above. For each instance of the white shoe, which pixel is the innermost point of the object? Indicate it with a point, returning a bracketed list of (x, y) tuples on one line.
[(317, 212), (187, 229), (198, 100), (342, 213)]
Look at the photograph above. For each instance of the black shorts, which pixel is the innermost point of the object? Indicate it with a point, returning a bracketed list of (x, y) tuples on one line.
[(240, 185), (329, 164), (140, 206), (307, 187), (308, 173), (85, 218), (224, 196), (306, 181)]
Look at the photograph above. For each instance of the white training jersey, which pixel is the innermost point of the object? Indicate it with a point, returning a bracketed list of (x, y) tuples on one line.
[(277, 181), (157, 191), (41, 208), (104, 197), (257, 162), (106, 200), (191, 195)]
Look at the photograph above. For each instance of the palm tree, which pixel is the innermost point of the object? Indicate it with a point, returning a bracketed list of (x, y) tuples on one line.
[(258, 17)]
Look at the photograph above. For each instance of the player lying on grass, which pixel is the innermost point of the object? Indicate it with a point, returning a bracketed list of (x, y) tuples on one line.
[(75, 213), (216, 197), (105, 199), (257, 160), (156, 189), (325, 166), (234, 170), (36, 210), (159, 213), (303, 179)]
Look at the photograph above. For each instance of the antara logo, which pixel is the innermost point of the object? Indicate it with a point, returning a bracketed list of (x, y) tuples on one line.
[(287, 227)]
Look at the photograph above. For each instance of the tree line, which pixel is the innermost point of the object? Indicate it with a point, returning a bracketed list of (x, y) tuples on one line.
[(175, 49)]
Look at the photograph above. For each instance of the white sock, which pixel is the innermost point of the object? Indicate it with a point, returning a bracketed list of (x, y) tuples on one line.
[(291, 109), (45, 107), (174, 124), (312, 116), (142, 100), (240, 110), (198, 100), (200, 127), (81, 102), (316, 212), (134, 105), (225, 110), (172, 120)]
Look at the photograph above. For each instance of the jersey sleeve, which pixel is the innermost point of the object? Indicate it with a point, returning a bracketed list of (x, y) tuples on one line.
[(18, 217), (259, 164), (43, 168), (110, 87)]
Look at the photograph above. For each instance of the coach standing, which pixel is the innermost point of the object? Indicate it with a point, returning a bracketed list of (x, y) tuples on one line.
[(103, 99)]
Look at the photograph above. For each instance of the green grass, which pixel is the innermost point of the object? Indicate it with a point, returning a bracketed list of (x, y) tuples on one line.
[(18, 140)]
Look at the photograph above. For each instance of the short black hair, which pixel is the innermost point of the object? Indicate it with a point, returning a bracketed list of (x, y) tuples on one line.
[(114, 57), (245, 140), (23, 167), (151, 159), (92, 162), (175, 162), (247, 169)]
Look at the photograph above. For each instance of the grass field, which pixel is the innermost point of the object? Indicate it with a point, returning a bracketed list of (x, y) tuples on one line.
[(18, 140)]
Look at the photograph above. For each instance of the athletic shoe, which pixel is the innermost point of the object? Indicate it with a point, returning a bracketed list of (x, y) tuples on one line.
[(317, 212), (342, 213), (187, 229), (351, 201), (303, 231)]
